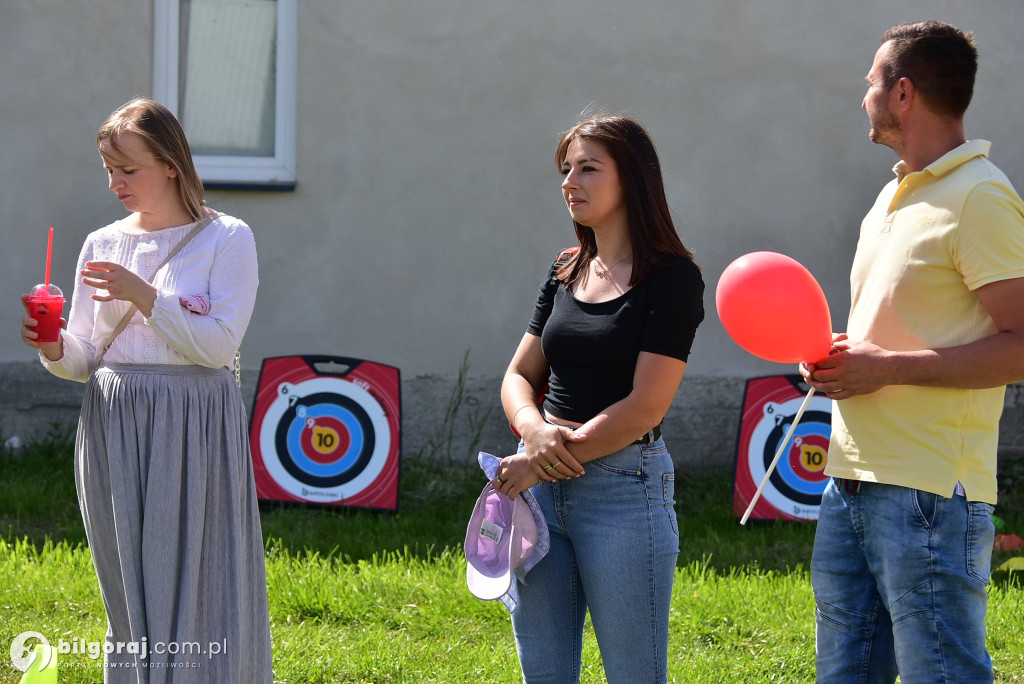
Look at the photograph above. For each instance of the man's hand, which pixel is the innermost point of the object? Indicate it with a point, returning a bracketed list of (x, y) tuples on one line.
[(850, 369)]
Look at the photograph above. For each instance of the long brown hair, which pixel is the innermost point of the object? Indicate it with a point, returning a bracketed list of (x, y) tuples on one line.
[(164, 137), (651, 231)]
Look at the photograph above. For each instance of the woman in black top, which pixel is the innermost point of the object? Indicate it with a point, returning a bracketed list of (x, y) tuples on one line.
[(607, 347)]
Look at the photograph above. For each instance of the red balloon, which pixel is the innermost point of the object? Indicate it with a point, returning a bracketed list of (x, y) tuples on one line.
[(774, 308)]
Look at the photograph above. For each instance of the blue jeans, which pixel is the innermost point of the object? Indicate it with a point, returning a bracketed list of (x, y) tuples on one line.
[(899, 579), (614, 544)]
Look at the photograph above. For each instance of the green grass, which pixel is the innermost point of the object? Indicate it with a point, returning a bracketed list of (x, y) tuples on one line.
[(357, 596), (37, 491)]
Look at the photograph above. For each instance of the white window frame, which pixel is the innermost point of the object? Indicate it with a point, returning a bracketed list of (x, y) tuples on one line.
[(240, 172)]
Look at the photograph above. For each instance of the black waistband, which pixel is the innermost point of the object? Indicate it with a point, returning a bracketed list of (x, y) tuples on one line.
[(651, 437)]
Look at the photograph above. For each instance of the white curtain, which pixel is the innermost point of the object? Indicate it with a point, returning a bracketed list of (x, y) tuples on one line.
[(227, 76)]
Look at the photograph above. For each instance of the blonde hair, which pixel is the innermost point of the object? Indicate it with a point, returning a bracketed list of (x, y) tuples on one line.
[(164, 137)]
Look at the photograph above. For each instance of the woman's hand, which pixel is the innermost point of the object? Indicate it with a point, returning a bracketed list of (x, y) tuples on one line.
[(120, 283), (52, 350), (545, 445), (545, 460), (515, 475)]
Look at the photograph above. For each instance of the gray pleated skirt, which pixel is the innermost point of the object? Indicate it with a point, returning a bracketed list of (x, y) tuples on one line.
[(165, 484)]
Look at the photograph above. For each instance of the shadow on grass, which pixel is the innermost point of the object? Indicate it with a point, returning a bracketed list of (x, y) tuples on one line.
[(37, 494)]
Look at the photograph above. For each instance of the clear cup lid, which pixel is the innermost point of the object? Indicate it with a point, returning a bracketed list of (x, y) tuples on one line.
[(43, 289)]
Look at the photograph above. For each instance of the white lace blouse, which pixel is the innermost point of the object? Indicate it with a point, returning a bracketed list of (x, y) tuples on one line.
[(217, 266)]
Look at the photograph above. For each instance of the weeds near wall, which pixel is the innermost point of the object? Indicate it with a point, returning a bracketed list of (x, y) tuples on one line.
[(441, 446), (445, 466)]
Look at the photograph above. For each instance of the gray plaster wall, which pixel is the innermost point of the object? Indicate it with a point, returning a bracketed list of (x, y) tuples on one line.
[(427, 206)]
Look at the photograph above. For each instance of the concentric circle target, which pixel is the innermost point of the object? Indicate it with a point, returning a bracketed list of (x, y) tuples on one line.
[(799, 479), (324, 439), (328, 439)]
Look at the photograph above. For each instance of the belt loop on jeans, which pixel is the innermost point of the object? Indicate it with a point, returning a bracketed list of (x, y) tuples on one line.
[(847, 485), (651, 437)]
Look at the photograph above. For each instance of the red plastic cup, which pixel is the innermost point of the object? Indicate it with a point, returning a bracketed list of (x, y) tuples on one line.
[(46, 304)]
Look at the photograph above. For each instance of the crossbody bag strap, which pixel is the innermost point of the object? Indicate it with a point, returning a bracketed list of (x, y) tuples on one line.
[(123, 323)]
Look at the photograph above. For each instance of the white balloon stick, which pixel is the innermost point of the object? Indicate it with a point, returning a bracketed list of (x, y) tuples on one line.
[(778, 455)]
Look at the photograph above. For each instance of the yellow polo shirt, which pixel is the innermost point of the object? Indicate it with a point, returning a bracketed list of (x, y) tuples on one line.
[(930, 240)]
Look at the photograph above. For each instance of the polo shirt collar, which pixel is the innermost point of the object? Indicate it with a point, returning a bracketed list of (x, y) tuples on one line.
[(949, 161)]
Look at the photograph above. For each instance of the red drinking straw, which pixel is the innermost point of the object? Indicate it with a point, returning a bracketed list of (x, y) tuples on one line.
[(49, 251)]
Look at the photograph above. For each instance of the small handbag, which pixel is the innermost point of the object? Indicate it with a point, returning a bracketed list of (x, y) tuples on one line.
[(123, 323)]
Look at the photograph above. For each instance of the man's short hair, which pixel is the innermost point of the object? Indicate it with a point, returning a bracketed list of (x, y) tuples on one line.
[(940, 60)]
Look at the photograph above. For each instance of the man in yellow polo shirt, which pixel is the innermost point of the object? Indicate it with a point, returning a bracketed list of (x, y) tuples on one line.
[(936, 331)]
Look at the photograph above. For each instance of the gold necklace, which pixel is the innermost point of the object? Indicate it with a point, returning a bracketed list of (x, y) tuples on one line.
[(604, 272)]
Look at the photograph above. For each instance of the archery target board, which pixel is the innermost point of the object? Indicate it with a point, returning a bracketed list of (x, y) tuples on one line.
[(326, 431), (794, 490)]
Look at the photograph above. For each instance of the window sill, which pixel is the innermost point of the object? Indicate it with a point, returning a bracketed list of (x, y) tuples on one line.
[(265, 186)]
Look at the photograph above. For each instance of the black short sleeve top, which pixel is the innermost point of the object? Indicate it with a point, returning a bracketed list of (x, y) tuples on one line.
[(592, 348)]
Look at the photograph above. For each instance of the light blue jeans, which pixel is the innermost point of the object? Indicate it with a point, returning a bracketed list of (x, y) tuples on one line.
[(899, 579), (614, 544)]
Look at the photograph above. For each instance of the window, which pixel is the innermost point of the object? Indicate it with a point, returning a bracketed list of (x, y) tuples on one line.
[(226, 68)]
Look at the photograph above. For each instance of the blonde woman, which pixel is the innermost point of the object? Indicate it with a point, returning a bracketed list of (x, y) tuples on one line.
[(162, 463)]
